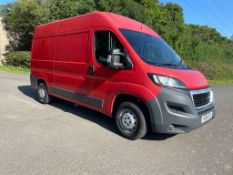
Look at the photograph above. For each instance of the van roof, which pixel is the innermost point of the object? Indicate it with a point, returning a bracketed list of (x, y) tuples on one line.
[(91, 20)]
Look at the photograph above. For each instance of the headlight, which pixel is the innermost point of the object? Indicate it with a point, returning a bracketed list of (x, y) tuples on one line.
[(166, 81)]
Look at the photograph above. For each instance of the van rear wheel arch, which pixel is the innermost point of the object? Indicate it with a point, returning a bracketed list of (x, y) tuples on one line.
[(41, 81)]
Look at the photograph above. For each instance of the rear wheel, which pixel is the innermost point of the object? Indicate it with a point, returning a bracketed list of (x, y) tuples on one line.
[(130, 121), (42, 94)]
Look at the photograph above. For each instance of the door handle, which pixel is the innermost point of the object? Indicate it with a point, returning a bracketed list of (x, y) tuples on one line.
[(92, 69)]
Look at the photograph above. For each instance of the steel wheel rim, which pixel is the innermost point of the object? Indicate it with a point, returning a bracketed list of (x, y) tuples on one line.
[(42, 92), (129, 121)]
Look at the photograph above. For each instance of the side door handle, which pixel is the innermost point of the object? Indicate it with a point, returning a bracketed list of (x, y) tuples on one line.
[(92, 69)]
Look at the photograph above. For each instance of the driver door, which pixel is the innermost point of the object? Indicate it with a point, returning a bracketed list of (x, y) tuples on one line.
[(105, 81)]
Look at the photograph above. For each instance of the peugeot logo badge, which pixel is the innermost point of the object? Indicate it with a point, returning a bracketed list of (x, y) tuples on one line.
[(199, 82)]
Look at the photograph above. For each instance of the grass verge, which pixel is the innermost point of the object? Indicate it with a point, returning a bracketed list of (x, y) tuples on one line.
[(217, 73), (220, 82), (13, 69)]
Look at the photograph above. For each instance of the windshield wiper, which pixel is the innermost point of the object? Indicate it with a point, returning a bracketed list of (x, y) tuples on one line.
[(170, 65), (166, 64), (181, 61)]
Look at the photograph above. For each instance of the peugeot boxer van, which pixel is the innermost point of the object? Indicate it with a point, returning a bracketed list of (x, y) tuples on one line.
[(122, 68)]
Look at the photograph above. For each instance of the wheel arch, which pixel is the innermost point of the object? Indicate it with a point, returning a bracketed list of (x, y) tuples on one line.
[(41, 80), (120, 98), (36, 80)]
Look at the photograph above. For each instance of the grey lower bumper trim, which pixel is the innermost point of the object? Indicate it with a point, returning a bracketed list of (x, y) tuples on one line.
[(173, 112)]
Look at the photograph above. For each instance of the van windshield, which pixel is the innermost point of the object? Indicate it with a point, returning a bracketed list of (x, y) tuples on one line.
[(153, 50)]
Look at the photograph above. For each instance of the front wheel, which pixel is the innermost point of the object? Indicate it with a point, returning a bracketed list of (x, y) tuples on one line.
[(42, 94), (130, 121)]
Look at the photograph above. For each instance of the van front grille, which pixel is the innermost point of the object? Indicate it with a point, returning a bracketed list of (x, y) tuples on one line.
[(201, 99)]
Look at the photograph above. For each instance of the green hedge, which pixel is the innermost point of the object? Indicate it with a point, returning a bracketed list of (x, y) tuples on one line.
[(17, 59), (214, 70)]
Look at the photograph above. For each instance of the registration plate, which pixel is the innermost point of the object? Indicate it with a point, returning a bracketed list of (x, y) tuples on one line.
[(206, 117)]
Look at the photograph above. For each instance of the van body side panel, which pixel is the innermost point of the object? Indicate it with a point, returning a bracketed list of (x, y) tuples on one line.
[(75, 24), (42, 59), (70, 62), (71, 46)]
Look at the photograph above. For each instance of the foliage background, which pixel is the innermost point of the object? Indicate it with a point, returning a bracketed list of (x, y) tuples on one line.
[(200, 46)]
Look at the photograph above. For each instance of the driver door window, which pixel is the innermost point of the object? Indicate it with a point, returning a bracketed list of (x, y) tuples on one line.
[(105, 42)]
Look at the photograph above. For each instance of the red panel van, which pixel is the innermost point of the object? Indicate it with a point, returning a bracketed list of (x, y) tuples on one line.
[(122, 68)]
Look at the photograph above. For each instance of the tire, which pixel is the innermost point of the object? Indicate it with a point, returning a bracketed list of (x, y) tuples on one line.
[(42, 94), (130, 121)]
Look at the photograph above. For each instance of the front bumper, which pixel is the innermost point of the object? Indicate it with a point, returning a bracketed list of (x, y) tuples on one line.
[(173, 111)]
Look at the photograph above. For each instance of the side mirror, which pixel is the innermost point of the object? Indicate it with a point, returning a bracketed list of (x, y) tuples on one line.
[(119, 60)]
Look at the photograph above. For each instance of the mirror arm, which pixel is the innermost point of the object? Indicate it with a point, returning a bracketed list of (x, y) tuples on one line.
[(128, 63), (120, 54), (125, 63)]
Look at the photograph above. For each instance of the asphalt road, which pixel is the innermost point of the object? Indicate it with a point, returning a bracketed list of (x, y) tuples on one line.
[(65, 139)]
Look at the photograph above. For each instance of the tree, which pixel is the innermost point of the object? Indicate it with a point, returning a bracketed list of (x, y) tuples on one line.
[(60, 9), (2, 8), (128, 8), (173, 23), (21, 18), (192, 42)]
